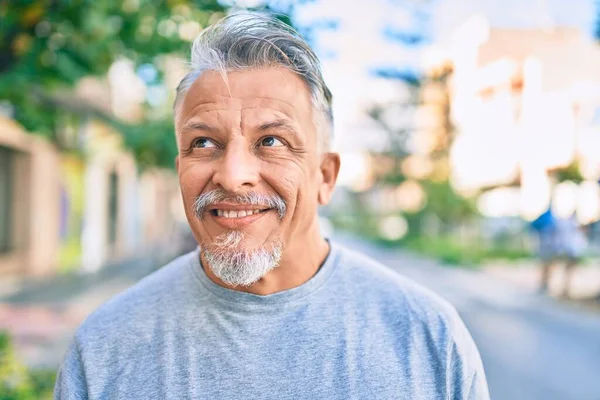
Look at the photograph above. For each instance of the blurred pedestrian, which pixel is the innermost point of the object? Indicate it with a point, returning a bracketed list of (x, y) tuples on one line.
[(559, 240), (573, 242), (266, 307)]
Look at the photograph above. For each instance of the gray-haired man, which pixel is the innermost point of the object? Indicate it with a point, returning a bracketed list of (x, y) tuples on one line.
[(266, 308)]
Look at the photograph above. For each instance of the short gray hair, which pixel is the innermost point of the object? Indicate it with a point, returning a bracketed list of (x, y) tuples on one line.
[(251, 40)]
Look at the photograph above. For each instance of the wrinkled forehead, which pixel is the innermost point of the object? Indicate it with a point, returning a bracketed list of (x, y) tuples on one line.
[(275, 89)]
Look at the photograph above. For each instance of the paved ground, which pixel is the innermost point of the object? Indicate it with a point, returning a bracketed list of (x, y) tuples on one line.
[(533, 347)]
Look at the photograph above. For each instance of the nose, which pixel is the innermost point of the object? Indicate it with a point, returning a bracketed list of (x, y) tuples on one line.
[(238, 168)]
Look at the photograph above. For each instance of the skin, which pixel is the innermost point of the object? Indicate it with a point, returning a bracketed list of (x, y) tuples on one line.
[(257, 134)]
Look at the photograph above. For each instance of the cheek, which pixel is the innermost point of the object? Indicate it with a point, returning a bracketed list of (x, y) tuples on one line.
[(282, 178), (193, 178), (295, 182)]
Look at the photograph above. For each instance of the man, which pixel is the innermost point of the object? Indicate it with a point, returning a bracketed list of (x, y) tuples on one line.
[(266, 308)]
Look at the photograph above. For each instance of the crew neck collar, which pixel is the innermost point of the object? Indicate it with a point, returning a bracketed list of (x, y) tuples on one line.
[(249, 301)]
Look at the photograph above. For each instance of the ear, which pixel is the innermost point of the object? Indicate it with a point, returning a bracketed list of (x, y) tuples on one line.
[(330, 167), (177, 163)]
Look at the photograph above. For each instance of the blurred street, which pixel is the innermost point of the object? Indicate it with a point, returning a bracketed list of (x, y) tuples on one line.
[(533, 347)]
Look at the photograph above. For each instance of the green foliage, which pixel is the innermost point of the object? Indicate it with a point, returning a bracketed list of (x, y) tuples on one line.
[(446, 204), (442, 202), (571, 173), (42, 382), (451, 251), (152, 142), (66, 40), (16, 381), (361, 224), (47, 46)]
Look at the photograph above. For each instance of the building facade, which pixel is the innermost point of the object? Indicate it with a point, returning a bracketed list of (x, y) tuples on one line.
[(524, 104), (62, 211)]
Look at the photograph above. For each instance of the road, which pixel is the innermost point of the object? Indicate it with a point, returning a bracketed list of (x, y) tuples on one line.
[(533, 347)]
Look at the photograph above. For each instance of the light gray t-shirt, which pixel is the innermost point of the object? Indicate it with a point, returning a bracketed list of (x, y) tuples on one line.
[(356, 330)]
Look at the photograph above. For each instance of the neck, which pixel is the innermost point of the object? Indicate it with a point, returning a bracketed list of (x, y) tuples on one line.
[(300, 262)]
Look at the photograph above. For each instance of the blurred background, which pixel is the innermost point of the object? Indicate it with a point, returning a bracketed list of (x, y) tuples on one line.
[(470, 139)]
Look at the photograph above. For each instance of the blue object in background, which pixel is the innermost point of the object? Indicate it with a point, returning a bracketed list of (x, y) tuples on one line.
[(545, 221)]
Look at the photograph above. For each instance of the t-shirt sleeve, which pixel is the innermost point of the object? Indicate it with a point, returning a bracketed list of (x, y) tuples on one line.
[(465, 369), (71, 382), (479, 388)]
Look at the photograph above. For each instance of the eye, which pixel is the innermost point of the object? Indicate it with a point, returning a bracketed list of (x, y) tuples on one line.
[(271, 141), (203, 143)]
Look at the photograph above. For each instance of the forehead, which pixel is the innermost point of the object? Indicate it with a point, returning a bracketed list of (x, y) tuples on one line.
[(274, 88)]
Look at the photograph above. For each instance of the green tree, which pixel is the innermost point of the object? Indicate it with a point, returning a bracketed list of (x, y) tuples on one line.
[(442, 201), (47, 46)]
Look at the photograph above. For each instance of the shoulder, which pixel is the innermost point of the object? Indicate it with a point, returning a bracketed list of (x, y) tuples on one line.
[(419, 318), (399, 298), (140, 304)]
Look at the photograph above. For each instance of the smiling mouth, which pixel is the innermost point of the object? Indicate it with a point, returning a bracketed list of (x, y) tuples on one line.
[(236, 213)]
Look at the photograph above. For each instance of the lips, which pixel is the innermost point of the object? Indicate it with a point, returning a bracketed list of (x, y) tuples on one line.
[(220, 204)]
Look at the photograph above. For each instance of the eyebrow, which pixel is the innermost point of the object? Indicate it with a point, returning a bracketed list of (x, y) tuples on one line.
[(197, 126), (278, 123)]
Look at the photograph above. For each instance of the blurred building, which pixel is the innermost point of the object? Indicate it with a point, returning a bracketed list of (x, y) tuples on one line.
[(63, 211), (524, 104), (29, 202), (123, 206)]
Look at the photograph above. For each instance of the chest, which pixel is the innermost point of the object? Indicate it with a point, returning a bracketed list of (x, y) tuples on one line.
[(288, 357)]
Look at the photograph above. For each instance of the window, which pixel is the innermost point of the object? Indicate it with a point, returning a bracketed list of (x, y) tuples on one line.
[(6, 196)]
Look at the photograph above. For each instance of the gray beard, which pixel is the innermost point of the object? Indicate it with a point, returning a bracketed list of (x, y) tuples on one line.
[(238, 267)]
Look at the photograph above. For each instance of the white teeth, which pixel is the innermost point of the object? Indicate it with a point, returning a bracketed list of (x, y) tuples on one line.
[(236, 214)]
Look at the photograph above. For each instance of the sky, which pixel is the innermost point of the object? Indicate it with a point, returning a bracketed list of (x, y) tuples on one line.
[(516, 13)]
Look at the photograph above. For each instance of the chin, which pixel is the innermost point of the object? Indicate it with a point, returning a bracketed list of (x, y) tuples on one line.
[(236, 265)]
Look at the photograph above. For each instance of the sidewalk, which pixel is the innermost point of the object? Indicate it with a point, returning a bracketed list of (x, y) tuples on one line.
[(585, 283)]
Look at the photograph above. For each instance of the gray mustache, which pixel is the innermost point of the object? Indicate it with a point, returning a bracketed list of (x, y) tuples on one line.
[(217, 196)]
